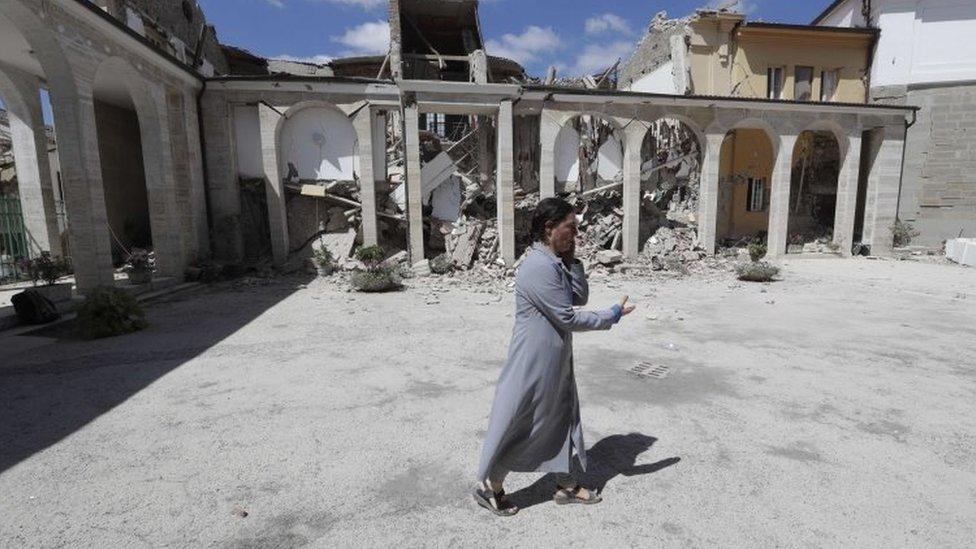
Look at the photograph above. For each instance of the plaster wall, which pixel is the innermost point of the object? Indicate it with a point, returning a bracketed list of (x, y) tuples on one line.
[(321, 144)]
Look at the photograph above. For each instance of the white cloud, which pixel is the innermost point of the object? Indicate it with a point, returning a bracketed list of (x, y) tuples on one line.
[(607, 22), (599, 57), (316, 59), (742, 6), (371, 38), (525, 47), (275, 3)]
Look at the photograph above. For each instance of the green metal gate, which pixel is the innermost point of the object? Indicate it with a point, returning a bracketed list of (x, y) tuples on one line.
[(13, 238)]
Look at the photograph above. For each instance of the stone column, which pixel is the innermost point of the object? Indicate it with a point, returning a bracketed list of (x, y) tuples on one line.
[(634, 138), (198, 198), (81, 181), (379, 145), (779, 199), (548, 130), (363, 122), (415, 213), (22, 94), (505, 190), (881, 204), (222, 188), (708, 191), (847, 194), (158, 162), (274, 186), (484, 151)]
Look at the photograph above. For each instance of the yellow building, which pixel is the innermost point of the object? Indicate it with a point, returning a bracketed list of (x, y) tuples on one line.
[(724, 55), (728, 56)]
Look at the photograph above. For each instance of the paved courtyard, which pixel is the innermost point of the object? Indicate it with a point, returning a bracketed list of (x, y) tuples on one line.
[(834, 408)]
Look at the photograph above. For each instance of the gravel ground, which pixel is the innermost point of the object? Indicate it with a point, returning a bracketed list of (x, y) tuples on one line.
[(832, 408)]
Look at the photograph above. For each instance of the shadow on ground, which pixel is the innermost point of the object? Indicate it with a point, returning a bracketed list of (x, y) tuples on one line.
[(610, 457), (49, 392)]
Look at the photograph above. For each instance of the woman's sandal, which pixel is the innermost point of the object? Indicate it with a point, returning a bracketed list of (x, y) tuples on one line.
[(496, 502), (571, 495)]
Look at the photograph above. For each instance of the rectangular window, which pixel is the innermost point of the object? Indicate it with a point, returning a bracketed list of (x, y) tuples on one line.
[(803, 86), (774, 82), (755, 198), (828, 85)]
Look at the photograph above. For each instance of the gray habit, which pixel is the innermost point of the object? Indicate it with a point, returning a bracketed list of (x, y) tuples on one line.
[(535, 419)]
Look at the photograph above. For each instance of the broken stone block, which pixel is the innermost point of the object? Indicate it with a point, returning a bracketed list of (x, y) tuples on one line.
[(395, 259), (421, 268), (609, 257)]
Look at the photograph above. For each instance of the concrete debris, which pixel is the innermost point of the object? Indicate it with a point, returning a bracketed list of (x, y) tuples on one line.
[(961, 251), (421, 268), (609, 257)]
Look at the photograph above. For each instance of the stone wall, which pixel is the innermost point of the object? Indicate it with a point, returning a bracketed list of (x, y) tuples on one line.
[(938, 192)]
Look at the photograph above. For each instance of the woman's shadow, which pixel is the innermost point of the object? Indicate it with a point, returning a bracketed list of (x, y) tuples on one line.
[(612, 456)]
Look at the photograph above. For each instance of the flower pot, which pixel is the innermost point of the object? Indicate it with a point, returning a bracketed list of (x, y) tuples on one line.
[(139, 277), (56, 292)]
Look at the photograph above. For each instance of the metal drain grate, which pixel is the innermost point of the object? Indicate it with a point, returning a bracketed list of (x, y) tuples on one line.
[(646, 370)]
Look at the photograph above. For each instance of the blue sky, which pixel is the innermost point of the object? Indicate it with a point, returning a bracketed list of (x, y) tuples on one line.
[(577, 36)]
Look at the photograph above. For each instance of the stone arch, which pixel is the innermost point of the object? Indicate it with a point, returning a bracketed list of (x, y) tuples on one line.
[(815, 166), (303, 141), (117, 85), (608, 155), (672, 151), (746, 160), (90, 247), (826, 125)]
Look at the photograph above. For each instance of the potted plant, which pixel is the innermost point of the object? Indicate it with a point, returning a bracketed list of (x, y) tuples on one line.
[(376, 277), (324, 262), (139, 266), (48, 269)]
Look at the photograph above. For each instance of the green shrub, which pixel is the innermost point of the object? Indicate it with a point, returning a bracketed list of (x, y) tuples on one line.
[(757, 251), (370, 255), (108, 312), (903, 233), (322, 256), (375, 280), (442, 264), (45, 267), (756, 271)]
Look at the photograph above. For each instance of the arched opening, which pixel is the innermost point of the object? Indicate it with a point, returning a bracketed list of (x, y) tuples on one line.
[(317, 143), (318, 146), (31, 208), (671, 160), (121, 154), (745, 175), (813, 193), (589, 153)]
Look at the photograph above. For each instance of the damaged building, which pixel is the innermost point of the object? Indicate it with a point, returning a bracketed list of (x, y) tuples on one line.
[(170, 140)]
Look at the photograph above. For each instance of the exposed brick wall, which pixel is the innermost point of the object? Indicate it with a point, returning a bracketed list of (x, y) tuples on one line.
[(653, 50)]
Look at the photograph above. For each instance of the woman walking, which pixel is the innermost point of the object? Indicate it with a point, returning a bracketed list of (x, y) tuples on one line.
[(535, 419)]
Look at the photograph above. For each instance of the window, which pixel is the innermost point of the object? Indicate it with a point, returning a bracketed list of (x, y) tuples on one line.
[(803, 87), (774, 82), (828, 85), (756, 196)]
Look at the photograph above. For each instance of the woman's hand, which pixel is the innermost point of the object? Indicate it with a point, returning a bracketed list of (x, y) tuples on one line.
[(569, 255), (624, 308)]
